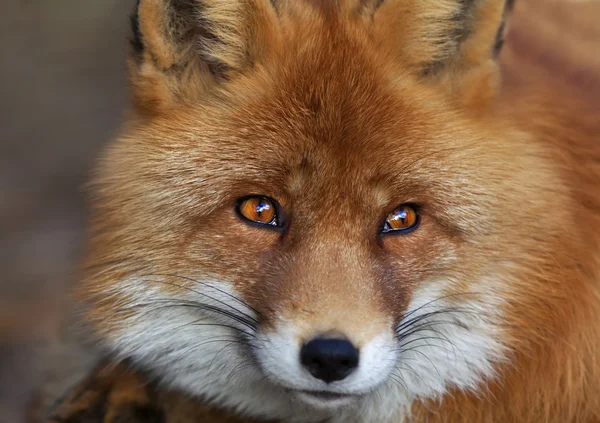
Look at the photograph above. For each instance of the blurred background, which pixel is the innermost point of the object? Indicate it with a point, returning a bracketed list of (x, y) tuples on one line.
[(63, 92), (63, 89)]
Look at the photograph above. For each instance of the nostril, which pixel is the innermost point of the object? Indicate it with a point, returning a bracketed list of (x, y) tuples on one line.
[(329, 360)]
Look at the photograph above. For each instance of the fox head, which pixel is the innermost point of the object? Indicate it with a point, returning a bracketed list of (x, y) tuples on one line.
[(315, 211)]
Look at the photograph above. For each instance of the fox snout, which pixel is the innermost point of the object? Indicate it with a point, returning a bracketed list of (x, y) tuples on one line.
[(326, 356)]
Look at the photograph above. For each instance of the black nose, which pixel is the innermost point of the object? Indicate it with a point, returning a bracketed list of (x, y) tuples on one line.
[(329, 359)]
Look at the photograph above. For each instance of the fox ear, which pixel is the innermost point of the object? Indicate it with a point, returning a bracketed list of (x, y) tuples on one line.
[(181, 49), (454, 41)]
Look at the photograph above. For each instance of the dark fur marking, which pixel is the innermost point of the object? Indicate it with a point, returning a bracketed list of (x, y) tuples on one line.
[(275, 5), (462, 21), (93, 414), (432, 68), (219, 70), (136, 38), (139, 414), (183, 18), (510, 4), (499, 42)]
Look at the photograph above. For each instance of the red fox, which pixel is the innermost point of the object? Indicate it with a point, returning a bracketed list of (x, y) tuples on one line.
[(318, 211)]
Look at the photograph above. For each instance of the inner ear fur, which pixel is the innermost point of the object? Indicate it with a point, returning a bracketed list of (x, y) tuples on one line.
[(451, 42), (429, 35), (183, 48)]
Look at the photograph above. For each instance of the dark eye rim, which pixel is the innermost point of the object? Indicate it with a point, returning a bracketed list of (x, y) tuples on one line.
[(276, 224), (387, 230)]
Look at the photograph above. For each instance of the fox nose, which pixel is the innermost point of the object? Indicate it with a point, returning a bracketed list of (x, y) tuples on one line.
[(329, 360)]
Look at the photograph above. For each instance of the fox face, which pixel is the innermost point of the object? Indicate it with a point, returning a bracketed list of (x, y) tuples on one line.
[(314, 211)]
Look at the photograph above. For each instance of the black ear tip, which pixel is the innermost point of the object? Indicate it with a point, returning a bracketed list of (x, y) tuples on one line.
[(499, 43), (510, 4), (136, 35)]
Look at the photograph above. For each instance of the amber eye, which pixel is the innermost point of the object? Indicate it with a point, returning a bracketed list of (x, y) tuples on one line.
[(259, 210), (403, 219)]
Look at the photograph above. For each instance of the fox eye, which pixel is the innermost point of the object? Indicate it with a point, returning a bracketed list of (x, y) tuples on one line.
[(404, 218), (258, 210)]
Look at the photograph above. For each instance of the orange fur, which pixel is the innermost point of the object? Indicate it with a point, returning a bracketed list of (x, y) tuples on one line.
[(342, 111)]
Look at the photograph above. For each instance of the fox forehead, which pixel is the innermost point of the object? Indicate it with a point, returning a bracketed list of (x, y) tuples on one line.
[(334, 108), (311, 138)]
